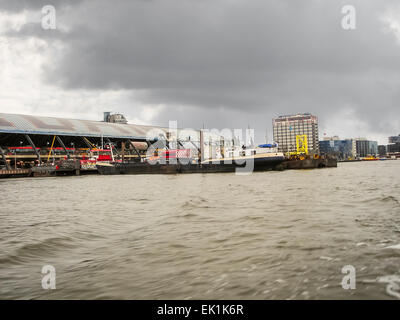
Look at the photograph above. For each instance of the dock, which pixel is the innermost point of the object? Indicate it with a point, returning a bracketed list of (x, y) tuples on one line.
[(15, 173)]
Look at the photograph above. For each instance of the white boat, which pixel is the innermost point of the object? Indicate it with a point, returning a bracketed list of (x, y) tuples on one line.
[(262, 154)]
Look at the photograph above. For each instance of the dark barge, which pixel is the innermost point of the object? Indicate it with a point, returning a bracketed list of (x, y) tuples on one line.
[(272, 163), (177, 168), (263, 164), (311, 163)]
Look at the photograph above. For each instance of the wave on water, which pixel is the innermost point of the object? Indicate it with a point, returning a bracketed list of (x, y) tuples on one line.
[(393, 284), (196, 203), (283, 235), (385, 199), (390, 199), (37, 250)]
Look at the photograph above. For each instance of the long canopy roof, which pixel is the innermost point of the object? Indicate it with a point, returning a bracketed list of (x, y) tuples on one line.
[(28, 124)]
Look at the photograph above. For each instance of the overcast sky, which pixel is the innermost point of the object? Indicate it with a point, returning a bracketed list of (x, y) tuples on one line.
[(221, 63)]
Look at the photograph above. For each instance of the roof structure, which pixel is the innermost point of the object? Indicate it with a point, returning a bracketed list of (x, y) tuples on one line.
[(28, 124)]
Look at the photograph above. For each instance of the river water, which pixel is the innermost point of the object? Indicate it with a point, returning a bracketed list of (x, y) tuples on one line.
[(268, 235)]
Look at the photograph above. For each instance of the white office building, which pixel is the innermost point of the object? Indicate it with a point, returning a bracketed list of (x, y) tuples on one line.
[(287, 127)]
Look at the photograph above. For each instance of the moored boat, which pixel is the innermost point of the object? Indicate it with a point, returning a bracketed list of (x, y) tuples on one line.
[(245, 160)]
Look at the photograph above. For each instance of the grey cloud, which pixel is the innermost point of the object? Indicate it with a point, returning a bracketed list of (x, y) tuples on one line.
[(230, 62), (20, 5)]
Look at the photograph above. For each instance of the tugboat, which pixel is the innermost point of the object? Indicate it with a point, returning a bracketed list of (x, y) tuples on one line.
[(96, 156)]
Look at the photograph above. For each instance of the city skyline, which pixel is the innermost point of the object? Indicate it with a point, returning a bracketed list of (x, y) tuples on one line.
[(317, 132)]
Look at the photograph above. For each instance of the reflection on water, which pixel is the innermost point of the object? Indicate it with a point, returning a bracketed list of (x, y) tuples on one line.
[(264, 236)]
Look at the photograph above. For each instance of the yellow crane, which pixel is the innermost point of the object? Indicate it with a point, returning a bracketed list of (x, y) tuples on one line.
[(301, 147), (51, 149), (302, 144)]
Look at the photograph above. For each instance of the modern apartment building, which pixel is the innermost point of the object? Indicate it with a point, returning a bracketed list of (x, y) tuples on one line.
[(287, 127), (366, 147), (343, 149), (348, 148)]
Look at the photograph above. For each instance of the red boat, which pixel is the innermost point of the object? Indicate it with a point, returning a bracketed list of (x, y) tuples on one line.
[(96, 156)]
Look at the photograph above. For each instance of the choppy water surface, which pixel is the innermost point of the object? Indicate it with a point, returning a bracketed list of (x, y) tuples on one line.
[(269, 235)]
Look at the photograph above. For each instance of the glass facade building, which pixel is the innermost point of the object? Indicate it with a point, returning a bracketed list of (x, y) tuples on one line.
[(342, 149), (366, 148), (348, 148)]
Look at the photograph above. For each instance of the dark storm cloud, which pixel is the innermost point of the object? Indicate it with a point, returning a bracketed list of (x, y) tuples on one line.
[(20, 5), (227, 62)]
